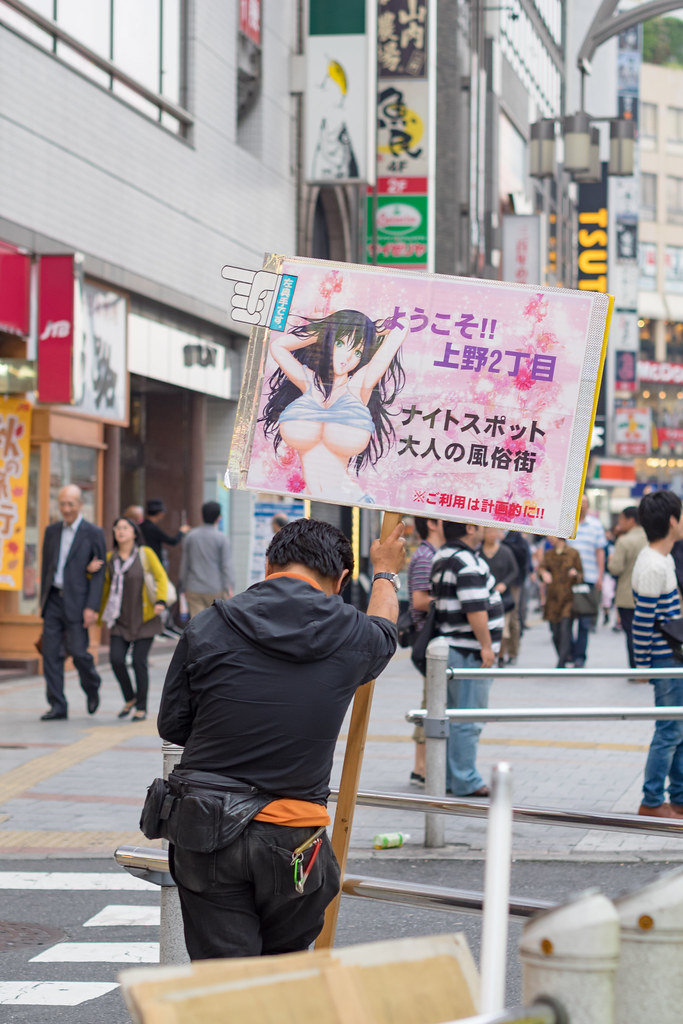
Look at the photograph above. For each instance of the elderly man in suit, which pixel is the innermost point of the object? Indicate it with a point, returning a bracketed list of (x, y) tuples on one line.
[(70, 601)]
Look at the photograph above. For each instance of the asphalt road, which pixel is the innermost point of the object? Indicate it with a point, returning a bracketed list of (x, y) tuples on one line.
[(53, 923)]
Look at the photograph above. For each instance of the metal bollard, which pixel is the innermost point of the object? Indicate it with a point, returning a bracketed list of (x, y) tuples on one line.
[(171, 935), (494, 937), (649, 978), (436, 736), (571, 953)]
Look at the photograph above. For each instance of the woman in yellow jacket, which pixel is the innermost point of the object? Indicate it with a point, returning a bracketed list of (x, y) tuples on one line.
[(131, 612)]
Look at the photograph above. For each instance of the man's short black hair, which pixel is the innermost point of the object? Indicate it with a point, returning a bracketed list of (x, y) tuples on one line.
[(454, 531), (656, 510), (631, 512), (317, 545), (421, 527), (211, 512)]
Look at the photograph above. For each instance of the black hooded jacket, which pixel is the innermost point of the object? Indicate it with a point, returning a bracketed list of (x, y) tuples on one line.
[(259, 685)]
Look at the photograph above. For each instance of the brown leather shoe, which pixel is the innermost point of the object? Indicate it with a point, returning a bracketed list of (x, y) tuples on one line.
[(482, 792), (663, 811), (678, 808)]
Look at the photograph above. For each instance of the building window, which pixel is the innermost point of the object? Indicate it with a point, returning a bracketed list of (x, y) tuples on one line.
[(674, 200), (143, 40), (673, 269), (647, 121), (647, 260), (674, 124), (648, 196), (673, 333)]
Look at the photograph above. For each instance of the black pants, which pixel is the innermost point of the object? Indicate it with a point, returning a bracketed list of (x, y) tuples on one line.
[(626, 620), (241, 901), (562, 638), (118, 648), (61, 637)]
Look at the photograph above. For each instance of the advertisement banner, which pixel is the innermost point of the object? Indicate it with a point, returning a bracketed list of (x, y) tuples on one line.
[(402, 38), (15, 271), (56, 304), (522, 248), (336, 114), (250, 20), (263, 526), (15, 450), (402, 119), (99, 377), (455, 398), (633, 431)]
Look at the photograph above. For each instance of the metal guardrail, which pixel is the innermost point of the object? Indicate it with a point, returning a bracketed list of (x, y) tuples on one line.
[(674, 712)]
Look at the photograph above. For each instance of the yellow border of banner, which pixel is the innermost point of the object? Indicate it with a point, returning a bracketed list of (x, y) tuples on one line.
[(603, 355)]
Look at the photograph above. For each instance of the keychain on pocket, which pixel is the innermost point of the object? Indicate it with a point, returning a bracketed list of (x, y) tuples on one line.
[(300, 876)]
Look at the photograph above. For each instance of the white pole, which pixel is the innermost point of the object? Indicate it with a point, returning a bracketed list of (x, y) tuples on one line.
[(496, 891), (436, 736), (171, 935)]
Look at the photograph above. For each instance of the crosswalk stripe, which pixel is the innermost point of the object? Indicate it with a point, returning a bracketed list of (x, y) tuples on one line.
[(75, 880), (99, 953), (121, 915), (52, 993)]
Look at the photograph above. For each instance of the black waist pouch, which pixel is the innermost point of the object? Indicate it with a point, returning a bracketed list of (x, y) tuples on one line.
[(204, 811)]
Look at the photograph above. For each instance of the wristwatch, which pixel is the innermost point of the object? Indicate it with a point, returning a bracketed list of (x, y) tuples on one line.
[(391, 576)]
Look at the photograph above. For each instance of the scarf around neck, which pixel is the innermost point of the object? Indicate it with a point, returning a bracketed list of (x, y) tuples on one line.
[(118, 570)]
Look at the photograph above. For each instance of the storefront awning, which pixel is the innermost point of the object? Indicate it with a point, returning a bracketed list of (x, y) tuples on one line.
[(651, 306), (674, 304)]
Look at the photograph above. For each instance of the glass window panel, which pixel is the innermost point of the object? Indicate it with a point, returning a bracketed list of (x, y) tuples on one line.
[(674, 119), (674, 199), (647, 120), (88, 21), (73, 464), (673, 269), (170, 50), (135, 100), (648, 196), (647, 259), (137, 40), (26, 27)]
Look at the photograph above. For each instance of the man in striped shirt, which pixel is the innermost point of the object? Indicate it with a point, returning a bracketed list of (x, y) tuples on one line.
[(469, 614), (656, 597)]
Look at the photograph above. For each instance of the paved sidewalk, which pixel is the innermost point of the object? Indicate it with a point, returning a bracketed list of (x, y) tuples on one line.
[(76, 787)]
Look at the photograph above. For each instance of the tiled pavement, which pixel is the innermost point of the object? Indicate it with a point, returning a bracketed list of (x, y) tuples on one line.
[(76, 787)]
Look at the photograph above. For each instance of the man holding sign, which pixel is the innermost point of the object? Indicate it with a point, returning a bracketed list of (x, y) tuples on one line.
[(256, 693)]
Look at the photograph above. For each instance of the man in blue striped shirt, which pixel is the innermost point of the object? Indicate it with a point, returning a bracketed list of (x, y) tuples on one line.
[(469, 614), (655, 592)]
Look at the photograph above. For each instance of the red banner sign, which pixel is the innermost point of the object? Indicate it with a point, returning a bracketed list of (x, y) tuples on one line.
[(15, 270), (250, 20), (55, 328)]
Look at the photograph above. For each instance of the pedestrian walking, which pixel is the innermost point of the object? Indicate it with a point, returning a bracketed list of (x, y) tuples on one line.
[(519, 546), (590, 542), (560, 570), (206, 573), (503, 566), (156, 539), (630, 542), (656, 599), (469, 614), (70, 601), (256, 693), (133, 599), (134, 512), (430, 532)]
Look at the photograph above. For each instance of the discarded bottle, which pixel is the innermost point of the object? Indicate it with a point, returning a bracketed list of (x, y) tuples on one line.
[(385, 840)]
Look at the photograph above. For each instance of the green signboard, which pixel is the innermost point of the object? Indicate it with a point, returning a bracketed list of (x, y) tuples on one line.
[(401, 237)]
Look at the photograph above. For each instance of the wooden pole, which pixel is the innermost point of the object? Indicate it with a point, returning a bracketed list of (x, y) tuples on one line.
[(350, 777)]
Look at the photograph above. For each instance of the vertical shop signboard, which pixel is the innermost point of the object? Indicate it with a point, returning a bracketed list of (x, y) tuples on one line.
[(397, 220), (335, 138), (592, 249), (56, 311), (15, 450)]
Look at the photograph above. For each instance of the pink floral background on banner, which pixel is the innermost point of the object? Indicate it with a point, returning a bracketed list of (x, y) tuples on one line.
[(470, 443)]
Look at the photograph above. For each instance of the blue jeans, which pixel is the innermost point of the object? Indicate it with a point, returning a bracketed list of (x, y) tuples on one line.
[(666, 750), (462, 776)]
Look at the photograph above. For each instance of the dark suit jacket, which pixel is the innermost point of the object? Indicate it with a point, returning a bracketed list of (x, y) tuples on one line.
[(80, 591)]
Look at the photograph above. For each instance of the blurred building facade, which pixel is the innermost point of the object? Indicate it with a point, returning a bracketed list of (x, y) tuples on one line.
[(147, 145), (660, 292)]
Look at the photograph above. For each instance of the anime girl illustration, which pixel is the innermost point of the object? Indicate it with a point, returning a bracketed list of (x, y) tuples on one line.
[(330, 398)]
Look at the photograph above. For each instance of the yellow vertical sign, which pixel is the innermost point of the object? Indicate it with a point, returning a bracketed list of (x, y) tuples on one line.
[(15, 450)]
